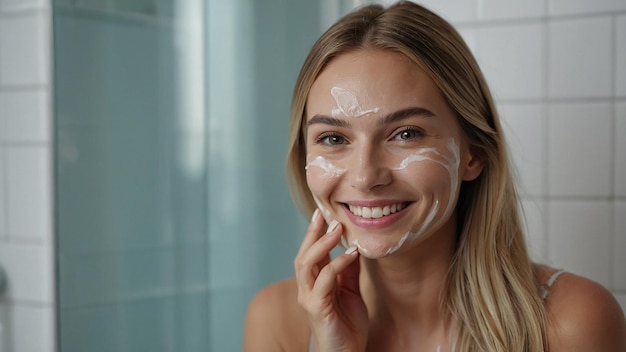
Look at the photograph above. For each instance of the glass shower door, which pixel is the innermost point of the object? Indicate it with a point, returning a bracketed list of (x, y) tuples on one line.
[(171, 122), (131, 182)]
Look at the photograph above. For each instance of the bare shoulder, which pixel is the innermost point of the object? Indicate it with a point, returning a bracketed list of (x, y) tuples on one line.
[(275, 321), (584, 316)]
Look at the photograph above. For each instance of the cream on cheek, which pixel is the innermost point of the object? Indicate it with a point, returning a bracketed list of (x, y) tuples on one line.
[(330, 171), (450, 162), (348, 104)]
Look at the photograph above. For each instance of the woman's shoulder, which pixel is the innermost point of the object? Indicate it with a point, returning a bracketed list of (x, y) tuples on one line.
[(275, 321), (582, 315)]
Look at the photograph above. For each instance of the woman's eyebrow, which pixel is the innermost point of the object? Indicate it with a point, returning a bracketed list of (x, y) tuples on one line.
[(404, 114), (391, 118), (327, 120)]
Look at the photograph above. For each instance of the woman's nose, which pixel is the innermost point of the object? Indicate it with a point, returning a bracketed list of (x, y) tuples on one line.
[(368, 169)]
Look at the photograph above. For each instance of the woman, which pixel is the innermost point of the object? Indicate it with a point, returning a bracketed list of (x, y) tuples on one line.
[(396, 145)]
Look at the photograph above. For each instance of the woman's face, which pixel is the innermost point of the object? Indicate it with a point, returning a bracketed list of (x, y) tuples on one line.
[(385, 156)]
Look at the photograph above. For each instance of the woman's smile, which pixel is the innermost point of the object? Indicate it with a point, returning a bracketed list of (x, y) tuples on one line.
[(376, 211), (375, 217)]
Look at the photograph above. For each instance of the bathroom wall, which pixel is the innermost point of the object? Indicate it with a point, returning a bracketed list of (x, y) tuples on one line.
[(558, 72), (26, 230)]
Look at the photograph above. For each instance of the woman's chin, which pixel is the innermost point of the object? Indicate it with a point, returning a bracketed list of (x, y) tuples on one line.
[(375, 246)]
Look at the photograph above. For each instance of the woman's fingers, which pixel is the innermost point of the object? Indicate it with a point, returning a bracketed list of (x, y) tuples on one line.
[(312, 233), (313, 258), (349, 277), (327, 279)]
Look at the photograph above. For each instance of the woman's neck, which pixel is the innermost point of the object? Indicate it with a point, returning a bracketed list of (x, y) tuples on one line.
[(404, 291)]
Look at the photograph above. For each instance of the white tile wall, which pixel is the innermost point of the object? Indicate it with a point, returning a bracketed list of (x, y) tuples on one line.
[(619, 243), (523, 125), (3, 199), (511, 9), (25, 115), (26, 246), (22, 5), (579, 149), (585, 7), (558, 71), (24, 49), (32, 328), (580, 238), (620, 149), (580, 58), (534, 225), (28, 271), (505, 61), (620, 57), (454, 10), (621, 299), (29, 192)]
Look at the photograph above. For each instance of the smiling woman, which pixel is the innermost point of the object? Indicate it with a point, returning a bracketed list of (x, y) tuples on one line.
[(409, 138), (396, 145)]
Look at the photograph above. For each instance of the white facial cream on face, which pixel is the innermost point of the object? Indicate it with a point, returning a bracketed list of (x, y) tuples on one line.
[(326, 214), (451, 163), (323, 209), (400, 243), (330, 170), (348, 103), (362, 249)]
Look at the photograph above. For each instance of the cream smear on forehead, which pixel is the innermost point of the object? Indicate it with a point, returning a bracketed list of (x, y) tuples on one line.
[(348, 103), (451, 164)]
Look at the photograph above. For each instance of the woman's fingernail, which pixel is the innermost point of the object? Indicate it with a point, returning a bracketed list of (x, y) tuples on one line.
[(332, 226), (316, 213), (351, 250)]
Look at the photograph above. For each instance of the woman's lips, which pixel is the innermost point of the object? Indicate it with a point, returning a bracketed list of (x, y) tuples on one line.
[(376, 212), (375, 217)]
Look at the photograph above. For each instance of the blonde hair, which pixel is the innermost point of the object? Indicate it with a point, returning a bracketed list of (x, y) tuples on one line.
[(491, 290)]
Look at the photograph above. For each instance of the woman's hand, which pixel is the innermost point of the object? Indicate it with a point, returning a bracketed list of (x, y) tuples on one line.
[(329, 290)]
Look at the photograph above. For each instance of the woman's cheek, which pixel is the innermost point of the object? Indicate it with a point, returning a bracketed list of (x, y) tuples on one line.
[(322, 177)]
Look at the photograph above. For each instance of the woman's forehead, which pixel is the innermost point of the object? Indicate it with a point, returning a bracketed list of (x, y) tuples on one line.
[(366, 82)]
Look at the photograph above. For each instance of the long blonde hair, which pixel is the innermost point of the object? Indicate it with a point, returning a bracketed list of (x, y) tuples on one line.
[(491, 290)]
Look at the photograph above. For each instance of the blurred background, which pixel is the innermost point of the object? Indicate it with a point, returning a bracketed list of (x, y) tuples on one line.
[(142, 144)]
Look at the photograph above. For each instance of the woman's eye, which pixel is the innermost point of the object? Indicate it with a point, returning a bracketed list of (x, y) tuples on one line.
[(330, 139), (408, 134)]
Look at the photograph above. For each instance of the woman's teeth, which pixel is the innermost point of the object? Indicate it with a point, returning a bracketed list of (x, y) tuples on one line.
[(376, 212)]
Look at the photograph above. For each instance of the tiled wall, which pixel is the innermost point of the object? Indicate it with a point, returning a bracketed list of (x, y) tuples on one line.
[(26, 242), (558, 72)]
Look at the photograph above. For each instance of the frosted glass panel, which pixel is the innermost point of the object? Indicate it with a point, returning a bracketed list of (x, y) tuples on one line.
[(171, 123), (131, 181), (255, 53)]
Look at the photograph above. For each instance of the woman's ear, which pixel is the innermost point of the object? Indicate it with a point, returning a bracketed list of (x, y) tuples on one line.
[(473, 165)]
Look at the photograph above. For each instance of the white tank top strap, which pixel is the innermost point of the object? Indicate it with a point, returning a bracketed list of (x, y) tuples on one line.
[(545, 288)]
